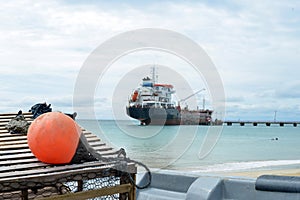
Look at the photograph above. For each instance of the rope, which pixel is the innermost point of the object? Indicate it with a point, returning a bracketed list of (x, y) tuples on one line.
[(122, 163), (122, 152), (121, 159), (148, 174)]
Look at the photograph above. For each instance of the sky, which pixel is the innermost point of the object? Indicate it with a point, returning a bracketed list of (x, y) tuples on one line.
[(255, 47)]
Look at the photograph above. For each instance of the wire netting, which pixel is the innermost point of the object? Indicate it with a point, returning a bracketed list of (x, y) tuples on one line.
[(67, 187)]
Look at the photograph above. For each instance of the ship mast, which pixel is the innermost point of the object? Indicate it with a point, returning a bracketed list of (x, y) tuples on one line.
[(154, 75)]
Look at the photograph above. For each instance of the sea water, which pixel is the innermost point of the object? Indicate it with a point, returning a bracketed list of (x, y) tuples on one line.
[(203, 148)]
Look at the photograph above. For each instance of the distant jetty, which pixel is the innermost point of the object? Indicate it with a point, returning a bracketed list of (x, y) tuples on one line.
[(267, 123)]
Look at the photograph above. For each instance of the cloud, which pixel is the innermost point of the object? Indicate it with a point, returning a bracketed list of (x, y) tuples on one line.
[(254, 46), (289, 90)]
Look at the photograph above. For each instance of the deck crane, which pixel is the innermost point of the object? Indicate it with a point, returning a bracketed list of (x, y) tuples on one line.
[(190, 96)]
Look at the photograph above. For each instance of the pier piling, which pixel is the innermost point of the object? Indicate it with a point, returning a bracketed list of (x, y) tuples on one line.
[(267, 123)]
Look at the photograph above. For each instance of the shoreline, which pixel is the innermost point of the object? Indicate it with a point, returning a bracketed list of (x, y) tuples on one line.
[(245, 174), (255, 174)]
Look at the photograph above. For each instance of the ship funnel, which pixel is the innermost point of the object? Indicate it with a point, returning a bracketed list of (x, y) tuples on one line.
[(147, 82)]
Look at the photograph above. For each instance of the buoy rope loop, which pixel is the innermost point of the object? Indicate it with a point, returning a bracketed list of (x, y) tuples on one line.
[(121, 166)]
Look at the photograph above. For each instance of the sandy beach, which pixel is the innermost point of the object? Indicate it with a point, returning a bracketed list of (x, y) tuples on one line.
[(255, 174)]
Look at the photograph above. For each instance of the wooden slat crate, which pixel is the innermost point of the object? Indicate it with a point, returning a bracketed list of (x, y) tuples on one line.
[(22, 176)]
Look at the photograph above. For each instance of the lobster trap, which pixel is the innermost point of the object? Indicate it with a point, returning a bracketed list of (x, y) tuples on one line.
[(22, 176)]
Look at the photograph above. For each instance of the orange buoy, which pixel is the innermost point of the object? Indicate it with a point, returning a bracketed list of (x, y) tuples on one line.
[(53, 138)]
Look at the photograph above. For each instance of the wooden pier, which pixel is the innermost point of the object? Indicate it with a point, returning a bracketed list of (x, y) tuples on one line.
[(267, 123), (22, 176)]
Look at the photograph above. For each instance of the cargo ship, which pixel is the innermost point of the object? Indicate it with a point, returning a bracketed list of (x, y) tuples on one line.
[(153, 104)]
